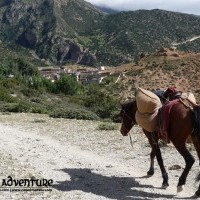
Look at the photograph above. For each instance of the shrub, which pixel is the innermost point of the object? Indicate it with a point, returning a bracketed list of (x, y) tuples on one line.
[(9, 83), (39, 109), (74, 113), (28, 92), (68, 85), (116, 117), (109, 79), (21, 66), (15, 107), (22, 106), (100, 102), (107, 126), (5, 96)]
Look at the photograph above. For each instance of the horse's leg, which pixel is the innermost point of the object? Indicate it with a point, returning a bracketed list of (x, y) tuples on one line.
[(181, 126), (157, 152), (152, 154), (153, 140), (196, 143), (197, 193), (151, 169), (189, 160)]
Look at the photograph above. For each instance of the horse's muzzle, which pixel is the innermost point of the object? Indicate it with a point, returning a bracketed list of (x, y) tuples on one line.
[(123, 131)]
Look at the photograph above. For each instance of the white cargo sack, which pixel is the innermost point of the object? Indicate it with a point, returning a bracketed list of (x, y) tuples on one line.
[(147, 101), (147, 121)]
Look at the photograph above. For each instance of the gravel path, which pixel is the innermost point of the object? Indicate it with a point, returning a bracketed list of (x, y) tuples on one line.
[(83, 162)]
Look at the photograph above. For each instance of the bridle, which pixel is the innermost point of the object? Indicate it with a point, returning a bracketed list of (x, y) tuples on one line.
[(127, 116), (132, 122)]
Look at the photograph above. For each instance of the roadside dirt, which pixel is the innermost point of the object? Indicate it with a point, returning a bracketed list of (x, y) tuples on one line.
[(83, 162)]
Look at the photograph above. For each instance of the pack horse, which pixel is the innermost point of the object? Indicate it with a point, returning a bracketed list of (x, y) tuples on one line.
[(183, 122)]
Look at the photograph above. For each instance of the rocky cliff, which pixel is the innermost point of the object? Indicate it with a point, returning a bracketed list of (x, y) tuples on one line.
[(74, 31), (49, 27)]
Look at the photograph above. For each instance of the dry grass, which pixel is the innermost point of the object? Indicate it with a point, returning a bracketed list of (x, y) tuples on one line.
[(159, 71)]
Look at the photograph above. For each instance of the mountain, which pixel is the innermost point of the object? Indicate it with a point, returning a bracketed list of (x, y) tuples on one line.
[(125, 35), (107, 9), (65, 31), (49, 27)]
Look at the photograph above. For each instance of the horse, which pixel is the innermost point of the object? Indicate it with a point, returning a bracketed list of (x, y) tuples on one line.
[(182, 124)]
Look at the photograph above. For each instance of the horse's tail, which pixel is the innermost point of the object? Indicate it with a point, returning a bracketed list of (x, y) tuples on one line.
[(197, 128)]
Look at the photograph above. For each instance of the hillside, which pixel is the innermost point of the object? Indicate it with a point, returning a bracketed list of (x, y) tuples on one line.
[(107, 9), (160, 70), (127, 34), (9, 51), (49, 27), (74, 31)]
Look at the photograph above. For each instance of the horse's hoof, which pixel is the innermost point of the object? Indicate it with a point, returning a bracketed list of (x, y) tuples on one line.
[(150, 173), (194, 196), (180, 188), (165, 185), (197, 193)]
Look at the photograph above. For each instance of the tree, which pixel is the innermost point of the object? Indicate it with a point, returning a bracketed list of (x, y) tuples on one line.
[(68, 85)]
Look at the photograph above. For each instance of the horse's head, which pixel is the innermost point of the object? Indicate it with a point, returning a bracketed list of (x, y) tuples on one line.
[(127, 115)]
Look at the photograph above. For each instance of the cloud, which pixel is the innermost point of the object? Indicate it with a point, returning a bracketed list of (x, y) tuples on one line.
[(185, 6)]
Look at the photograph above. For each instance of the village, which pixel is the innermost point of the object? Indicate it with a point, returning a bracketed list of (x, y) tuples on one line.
[(84, 75)]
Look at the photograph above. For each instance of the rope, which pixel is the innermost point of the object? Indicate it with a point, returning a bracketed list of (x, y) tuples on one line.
[(124, 114), (131, 140)]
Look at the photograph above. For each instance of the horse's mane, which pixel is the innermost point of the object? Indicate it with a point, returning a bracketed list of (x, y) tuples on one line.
[(129, 107), (128, 103)]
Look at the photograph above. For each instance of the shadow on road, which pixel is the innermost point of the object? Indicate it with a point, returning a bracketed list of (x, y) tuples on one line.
[(113, 187)]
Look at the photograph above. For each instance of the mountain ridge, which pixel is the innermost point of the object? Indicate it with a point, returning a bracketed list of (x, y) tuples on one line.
[(69, 31)]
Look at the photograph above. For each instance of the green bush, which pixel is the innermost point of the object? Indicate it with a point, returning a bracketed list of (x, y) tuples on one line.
[(28, 92), (100, 102), (68, 85), (9, 83), (116, 117), (39, 109), (5, 96), (15, 107), (109, 80), (18, 66), (74, 113)]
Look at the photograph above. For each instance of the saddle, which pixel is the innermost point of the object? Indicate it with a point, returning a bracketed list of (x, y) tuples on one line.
[(189, 101), (163, 119)]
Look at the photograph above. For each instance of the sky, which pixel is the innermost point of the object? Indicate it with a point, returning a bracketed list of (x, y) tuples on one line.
[(184, 6)]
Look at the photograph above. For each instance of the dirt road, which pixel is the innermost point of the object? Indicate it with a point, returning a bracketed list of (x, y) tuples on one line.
[(83, 162)]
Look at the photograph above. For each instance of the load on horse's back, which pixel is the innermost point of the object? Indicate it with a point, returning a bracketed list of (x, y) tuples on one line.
[(172, 93), (169, 98), (148, 105), (167, 95), (184, 121)]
